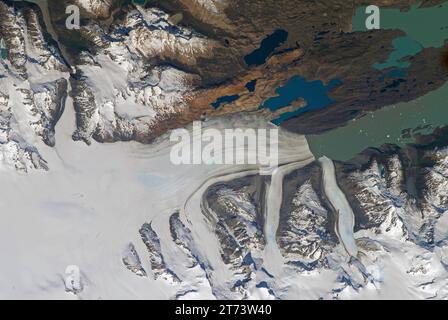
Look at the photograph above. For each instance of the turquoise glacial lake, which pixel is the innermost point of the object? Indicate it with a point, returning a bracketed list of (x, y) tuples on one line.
[(399, 123)]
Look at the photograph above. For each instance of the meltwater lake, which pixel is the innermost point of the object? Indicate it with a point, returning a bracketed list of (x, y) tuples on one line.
[(424, 28), (313, 92)]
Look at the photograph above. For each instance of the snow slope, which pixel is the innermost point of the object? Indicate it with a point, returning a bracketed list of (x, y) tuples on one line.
[(91, 204)]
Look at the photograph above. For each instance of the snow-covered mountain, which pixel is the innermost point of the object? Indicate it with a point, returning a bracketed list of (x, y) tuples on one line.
[(398, 205), (126, 87), (118, 93), (92, 207), (33, 89), (399, 202)]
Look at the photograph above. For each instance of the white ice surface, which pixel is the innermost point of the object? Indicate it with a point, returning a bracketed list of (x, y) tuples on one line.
[(346, 218), (91, 204)]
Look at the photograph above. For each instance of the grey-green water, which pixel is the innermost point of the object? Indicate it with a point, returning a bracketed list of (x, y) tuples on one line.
[(428, 26), (425, 26), (403, 47), (384, 126)]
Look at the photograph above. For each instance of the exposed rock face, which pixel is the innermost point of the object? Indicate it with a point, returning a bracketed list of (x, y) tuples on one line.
[(206, 50), (139, 71), (101, 9), (182, 237), (49, 101), (372, 183), (399, 199), (306, 229), (399, 191), (158, 266), (400, 204), (236, 213), (118, 95), (332, 51), (26, 41), (33, 88), (189, 259), (132, 261)]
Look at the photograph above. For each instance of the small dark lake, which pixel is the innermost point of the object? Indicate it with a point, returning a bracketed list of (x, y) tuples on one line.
[(267, 47), (313, 92), (224, 99), (250, 86)]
